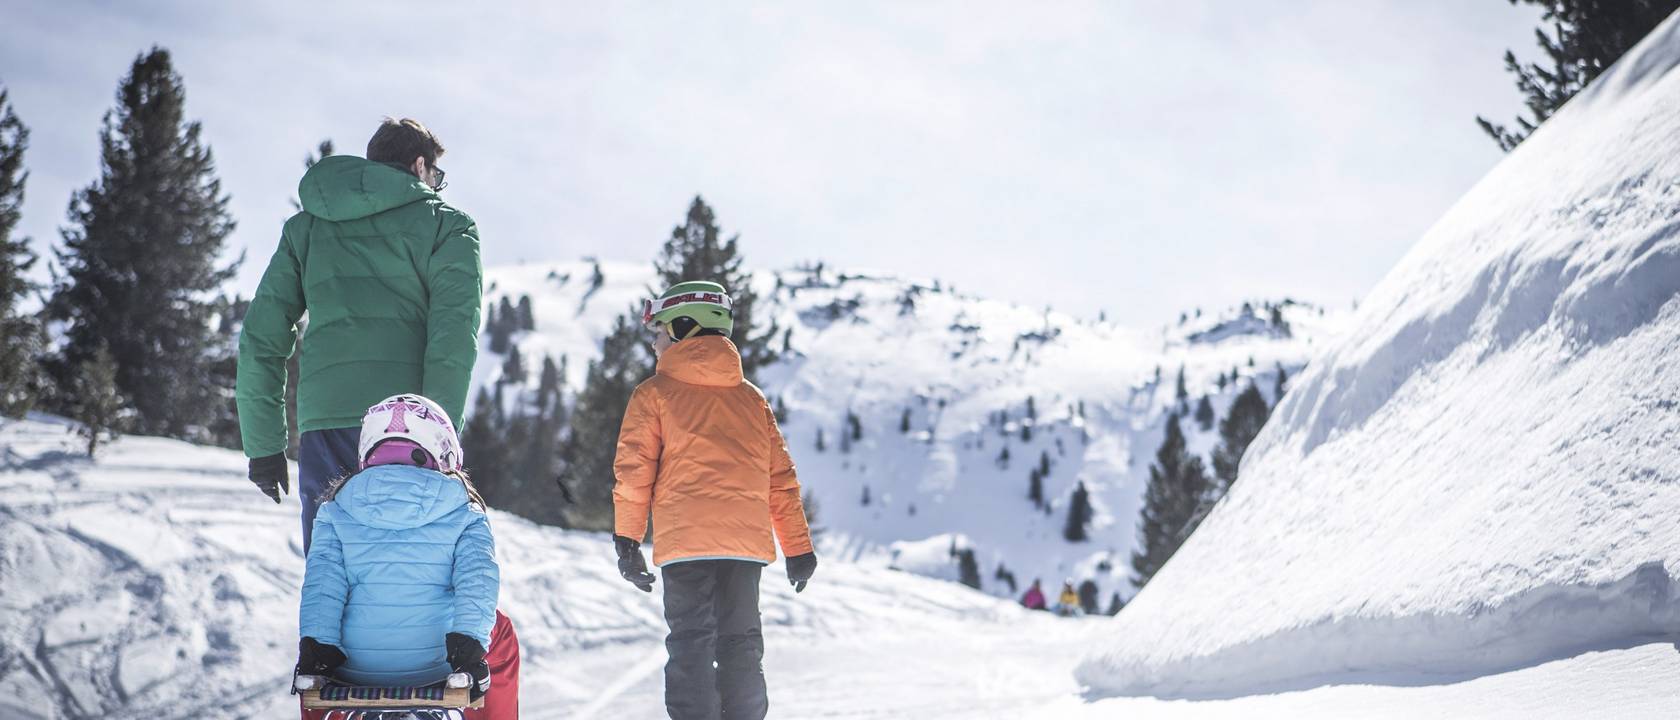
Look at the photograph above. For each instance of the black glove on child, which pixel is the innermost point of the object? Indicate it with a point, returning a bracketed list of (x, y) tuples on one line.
[(800, 568), (317, 658), (270, 475), (467, 656), (630, 563)]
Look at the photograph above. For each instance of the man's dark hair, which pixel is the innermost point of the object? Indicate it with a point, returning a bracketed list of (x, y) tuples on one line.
[(400, 141)]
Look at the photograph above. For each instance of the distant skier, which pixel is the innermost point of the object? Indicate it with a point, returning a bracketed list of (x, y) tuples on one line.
[(390, 277), (1034, 599), (1068, 604), (401, 583), (700, 447)]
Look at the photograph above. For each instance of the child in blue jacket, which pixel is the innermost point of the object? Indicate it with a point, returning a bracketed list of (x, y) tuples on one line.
[(401, 582)]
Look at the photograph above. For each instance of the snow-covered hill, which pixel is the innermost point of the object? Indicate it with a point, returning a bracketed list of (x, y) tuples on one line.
[(972, 378), (1483, 473)]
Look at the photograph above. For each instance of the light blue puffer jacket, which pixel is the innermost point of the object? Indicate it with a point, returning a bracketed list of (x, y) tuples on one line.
[(399, 558)]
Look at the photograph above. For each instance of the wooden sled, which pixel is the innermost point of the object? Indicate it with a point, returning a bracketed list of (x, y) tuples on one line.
[(441, 701)]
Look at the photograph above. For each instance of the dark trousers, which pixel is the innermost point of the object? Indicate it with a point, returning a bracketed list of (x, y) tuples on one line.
[(716, 645), (323, 456)]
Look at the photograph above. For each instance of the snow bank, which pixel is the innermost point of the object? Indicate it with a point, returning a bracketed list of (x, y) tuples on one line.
[(1482, 474)]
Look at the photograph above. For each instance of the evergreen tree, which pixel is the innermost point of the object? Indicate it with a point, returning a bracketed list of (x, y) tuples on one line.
[(780, 411), (822, 444), (696, 251), (1006, 577), (513, 369), (1181, 392), (99, 403), (21, 380), (1088, 596), (1003, 458), (1586, 38), (1204, 414), (813, 515), (1177, 486), (904, 422), (968, 570), (1248, 414), (587, 453), (1026, 431), (1115, 604), (1282, 384), (865, 500), (140, 260), (1035, 487), (855, 425), (527, 321), (1044, 463), (1079, 515)]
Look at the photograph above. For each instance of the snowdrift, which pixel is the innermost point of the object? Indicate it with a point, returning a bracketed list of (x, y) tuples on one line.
[(1482, 474)]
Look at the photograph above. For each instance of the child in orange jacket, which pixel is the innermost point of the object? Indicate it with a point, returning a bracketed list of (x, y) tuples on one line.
[(701, 449)]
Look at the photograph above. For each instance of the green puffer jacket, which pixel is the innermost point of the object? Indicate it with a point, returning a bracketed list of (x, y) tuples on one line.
[(391, 278)]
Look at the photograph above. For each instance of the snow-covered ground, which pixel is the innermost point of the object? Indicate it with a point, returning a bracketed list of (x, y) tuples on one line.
[(1483, 473), (156, 583), (962, 371)]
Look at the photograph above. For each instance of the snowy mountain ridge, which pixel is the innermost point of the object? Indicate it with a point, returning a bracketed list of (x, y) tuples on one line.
[(940, 386), (1480, 475)]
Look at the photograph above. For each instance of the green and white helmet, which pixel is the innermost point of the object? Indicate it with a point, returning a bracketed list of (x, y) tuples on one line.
[(706, 303)]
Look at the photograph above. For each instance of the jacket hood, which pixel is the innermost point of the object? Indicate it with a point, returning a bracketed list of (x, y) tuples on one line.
[(710, 360), (400, 497), (346, 187)]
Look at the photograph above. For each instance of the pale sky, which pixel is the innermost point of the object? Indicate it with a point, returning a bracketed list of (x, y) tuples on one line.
[(1141, 158)]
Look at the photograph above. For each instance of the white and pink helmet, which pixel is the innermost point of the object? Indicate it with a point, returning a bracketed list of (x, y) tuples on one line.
[(409, 429)]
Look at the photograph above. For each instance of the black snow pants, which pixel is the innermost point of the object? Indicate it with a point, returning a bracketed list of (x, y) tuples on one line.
[(716, 645)]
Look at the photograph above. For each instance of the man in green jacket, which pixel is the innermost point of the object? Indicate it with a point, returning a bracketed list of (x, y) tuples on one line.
[(390, 277)]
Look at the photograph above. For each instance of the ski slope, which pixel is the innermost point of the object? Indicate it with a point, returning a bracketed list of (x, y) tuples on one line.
[(1480, 475), (889, 349)]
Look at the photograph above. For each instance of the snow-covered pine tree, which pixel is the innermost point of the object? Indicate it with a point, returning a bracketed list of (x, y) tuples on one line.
[(1282, 384), (140, 259), (513, 369), (1115, 604), (1204, 413), (1177, 485), (592, 441), (1181, 392), (527, 321), (1088, 596), (98, 401), (822, 443), (696, 251), (1248, 414), (21, 379), (1078, 515), (968, 570), (904, 422), (1582, 38), (1035, 488), (865, 500)]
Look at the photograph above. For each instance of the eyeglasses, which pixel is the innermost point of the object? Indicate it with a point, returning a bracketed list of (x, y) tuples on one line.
[(440, 183)]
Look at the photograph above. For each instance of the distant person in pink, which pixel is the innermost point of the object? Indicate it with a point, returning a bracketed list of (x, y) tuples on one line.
[(1034, 599)]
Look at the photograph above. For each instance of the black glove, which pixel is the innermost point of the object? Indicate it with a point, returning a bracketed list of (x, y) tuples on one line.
[(630, 563), (269, 474), (317, 658), (800, 568), (467, 656)]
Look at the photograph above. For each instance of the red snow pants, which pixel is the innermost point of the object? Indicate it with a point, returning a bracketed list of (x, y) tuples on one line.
[(502, 702)]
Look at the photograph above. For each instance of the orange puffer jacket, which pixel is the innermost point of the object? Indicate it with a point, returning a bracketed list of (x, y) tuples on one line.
[(700, 446)]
